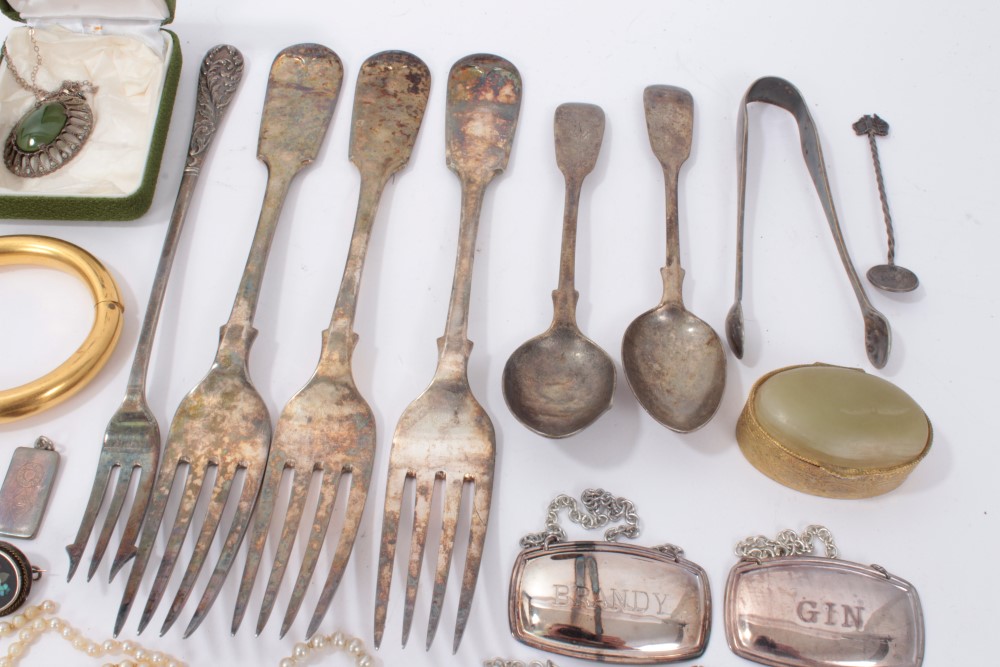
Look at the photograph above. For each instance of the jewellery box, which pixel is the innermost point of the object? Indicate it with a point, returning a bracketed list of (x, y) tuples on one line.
[(131, 65)]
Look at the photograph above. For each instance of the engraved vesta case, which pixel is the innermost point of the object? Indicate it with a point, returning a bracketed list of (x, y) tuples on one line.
[(608, 602), (786, 608)]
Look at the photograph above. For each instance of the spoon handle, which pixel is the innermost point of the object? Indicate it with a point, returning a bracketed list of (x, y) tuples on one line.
[(579, 132), (670, 125)]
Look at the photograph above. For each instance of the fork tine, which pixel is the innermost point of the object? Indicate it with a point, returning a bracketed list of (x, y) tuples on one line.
[(111, 518), (150, 527), (237, 529), (223, 485), (387, 549), (321, 524), (192, 489), (474, 557), (449, 523), (421, 519), (75, 550), (126, 550), (358, 493), (258, 536), (293, 517)]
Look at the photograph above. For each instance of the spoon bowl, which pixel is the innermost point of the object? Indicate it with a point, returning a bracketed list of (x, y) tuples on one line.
[(893, 278), (675, 366), (559, 382)]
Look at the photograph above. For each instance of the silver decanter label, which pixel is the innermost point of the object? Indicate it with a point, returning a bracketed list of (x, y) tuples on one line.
[(610, 602), (822, 612)]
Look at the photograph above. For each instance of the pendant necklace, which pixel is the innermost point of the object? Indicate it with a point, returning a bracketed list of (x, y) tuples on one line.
[(54, 130), (607, 601), (787, 608)]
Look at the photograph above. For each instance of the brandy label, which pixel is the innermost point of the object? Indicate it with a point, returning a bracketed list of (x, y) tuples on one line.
[(610, 602), (819, 612)]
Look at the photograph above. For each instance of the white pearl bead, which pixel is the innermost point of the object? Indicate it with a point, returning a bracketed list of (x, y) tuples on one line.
[(338, 639), (157, 658), (140, 654), (39, 625), (55, 624), (15, 650), (47, 606), (67, 632), (5, 662), (25, 635), (80, 643), (5, 628), (355, 647), (128, 647), (127, 663), (111, 646), (300, 650), (365, 661), (286, 662), (31, 613), (17, 621), (94, 650), (317, 642)]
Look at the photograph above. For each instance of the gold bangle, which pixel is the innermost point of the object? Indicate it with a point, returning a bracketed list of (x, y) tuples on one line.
[(71, 376)]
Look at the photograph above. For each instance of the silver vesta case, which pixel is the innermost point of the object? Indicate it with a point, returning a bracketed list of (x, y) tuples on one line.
[(821, 612), (610, 602)]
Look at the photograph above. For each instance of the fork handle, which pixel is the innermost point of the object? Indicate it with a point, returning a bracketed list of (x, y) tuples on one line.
[(220, 76), (339, 338), (455, 345)]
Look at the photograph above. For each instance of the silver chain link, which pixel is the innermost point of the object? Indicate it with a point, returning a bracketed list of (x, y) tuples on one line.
[(33, 87), (75, 87), (600, 508), (787, 543)]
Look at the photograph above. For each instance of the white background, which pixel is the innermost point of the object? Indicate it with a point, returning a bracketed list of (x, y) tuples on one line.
[(927, 68)]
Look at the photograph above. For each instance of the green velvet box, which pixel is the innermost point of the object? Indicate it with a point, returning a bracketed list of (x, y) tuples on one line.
[(136, 65)]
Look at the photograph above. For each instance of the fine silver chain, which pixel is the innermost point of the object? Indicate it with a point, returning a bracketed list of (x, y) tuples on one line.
[(78, 87), (787, 543), (599, 508), (500, 662)]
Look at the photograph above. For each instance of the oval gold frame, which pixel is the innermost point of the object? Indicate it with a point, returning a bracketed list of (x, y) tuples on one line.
[(74, 373)]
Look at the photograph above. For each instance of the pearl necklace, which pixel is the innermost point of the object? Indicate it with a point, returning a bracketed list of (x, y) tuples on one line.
[(31, 624), (336, 641)]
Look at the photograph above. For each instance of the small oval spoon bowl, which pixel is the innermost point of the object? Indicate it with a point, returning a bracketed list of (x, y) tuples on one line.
[(560, 382), (893, 278)]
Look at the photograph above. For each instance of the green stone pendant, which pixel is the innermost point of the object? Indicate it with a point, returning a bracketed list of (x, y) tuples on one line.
[(50, 134), (40, 127)]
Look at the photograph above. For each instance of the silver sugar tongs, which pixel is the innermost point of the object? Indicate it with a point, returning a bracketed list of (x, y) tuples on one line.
[(781, 93)]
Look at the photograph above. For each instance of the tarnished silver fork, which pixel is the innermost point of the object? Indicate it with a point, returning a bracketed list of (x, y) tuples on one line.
[(223, 422), (445, 434), (327, 426), (132, 438)]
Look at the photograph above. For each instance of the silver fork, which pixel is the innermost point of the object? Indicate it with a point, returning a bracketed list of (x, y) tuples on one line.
[(327, 425), (132, 438), (223, 422), (445, 434)]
